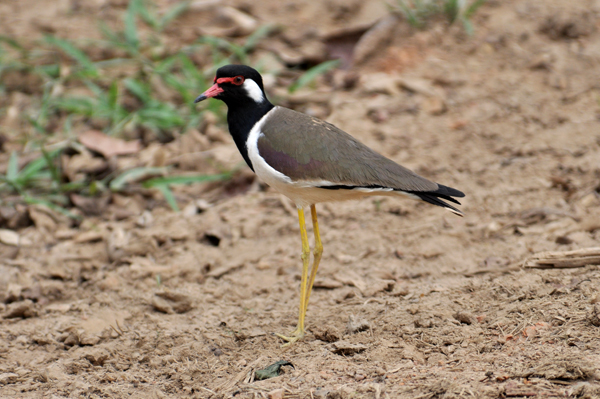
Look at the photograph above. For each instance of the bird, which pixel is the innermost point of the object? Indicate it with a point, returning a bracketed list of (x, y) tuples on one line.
[(310, 161)]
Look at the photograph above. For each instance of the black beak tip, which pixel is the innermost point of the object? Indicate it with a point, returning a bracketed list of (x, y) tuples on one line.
[(201, 97)]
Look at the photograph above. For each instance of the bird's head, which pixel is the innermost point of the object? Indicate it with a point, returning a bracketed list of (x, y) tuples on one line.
[(236, 84)]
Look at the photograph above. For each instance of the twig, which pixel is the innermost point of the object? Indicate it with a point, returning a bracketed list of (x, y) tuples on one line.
[(564, 259), (240, 376)]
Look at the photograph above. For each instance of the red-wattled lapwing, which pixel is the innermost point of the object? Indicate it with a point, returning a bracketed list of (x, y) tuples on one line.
[(310, 161)]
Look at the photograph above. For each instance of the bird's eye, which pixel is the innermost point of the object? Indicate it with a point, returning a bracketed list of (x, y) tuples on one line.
[(238, 80)]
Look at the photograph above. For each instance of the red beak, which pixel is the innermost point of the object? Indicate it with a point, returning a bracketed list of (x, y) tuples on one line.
[(215, 90)]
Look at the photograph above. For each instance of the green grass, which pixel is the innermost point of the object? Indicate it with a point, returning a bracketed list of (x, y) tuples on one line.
[(419, 12), (38, 182), (155, 95), (312, 74)]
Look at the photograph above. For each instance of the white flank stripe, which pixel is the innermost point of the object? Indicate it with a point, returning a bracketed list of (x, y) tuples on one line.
[(262, 169), (372, 190)]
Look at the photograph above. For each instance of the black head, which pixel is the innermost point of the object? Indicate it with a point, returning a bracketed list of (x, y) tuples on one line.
[(236, 84)]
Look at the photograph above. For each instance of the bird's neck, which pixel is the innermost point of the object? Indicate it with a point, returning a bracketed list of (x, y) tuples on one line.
[(241, 118)]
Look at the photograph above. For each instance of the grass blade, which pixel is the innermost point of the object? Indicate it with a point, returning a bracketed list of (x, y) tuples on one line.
[(172, 13), (54, 172), (112, 102), (113, 38), (471, 9), (165, 66), (34, 168), (137, 88), (12, 170), (256, 37), (467, 25), (94, 88), (11, 42), (51, 205), (409, 14), (162, 184), (76, 105), (452, 10), (132, 175), (147, 16), (313, 73), (130, 19), (168, 194), (69, 49), (185, 179), (190, 71)]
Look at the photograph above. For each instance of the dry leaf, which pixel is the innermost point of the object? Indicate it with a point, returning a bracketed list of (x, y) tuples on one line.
[(90, 205), (107, 145)]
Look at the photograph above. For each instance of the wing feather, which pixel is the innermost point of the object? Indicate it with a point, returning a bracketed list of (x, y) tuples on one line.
[(319, 151)]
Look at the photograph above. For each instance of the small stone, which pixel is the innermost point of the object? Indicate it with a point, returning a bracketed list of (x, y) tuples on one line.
[(189, 210), (145, 219), (9, 237), (71, 339), (434, 105), (465, 317), (422, 322), (58, 307), (86, 339), (327, 283), (275, 394), (202, 205)]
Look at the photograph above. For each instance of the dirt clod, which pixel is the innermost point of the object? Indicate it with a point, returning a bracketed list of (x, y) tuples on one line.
[(356, 324), (96, 356), (326, 334), (565, 368), (346, 348), (465, 317), (594, 316), (569, 25), (8, 378), (23, 309), (172, 302)]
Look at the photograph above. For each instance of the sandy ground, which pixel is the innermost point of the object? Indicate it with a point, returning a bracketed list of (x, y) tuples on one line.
[(410, 301)]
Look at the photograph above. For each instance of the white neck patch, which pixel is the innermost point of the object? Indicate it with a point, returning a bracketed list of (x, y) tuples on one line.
[(253, 90)]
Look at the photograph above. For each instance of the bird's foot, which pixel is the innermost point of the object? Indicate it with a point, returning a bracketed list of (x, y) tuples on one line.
[(294, 336)]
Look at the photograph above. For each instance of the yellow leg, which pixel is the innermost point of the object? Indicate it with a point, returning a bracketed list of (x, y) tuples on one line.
[(317, 252), (298, 333)]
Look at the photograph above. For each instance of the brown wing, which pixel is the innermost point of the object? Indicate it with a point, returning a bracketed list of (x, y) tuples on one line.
[(308, 149)]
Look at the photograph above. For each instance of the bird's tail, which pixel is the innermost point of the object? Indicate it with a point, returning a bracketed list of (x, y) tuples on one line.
[(443, 193)]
